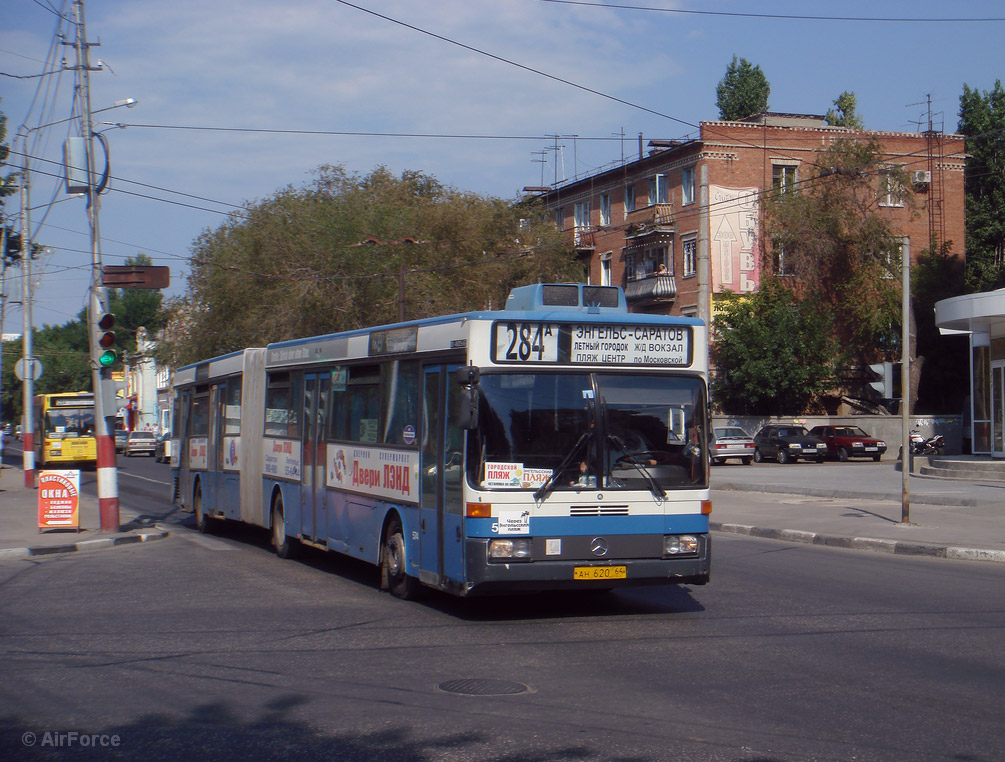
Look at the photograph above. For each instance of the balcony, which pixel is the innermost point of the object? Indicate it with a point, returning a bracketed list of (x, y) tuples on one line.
[(659, 217), (585, 238), (651, 291)]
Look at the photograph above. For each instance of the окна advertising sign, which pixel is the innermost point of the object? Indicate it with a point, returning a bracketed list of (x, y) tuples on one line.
[(58, 500)]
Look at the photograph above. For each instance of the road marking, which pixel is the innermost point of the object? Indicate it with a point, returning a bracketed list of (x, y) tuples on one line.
[(144, 478)]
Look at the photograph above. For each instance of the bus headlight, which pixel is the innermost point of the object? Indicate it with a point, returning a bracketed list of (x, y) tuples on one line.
[(680, 545), (510, 550)]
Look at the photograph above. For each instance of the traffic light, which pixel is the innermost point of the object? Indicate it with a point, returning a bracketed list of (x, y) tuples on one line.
[(889, 382), (883, 384), (106, 340), (12, 246)]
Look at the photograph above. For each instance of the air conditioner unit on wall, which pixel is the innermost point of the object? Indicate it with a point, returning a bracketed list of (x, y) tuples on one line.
[(921, 177)]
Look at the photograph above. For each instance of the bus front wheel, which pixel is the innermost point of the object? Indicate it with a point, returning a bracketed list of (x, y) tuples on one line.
[(392, 571), (202, 522)]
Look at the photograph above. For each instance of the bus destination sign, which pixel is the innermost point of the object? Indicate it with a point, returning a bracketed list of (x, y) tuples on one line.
[(574, 344)]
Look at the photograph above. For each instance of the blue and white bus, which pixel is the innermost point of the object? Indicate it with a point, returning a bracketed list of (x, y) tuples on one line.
[(556, 444)]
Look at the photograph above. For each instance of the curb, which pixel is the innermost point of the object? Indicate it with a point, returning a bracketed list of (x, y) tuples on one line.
[(776, 489), (84, 545), (897, 547)]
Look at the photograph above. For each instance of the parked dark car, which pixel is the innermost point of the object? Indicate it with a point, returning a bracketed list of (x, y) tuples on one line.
[(121, 435), (787, 443), (730, 442), (845, 442)]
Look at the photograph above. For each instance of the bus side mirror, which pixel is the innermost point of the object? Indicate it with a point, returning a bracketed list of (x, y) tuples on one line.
[(464, 408), (467, 375)]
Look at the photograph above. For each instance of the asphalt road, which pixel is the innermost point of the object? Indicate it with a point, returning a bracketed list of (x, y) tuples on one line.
[(212, 648)]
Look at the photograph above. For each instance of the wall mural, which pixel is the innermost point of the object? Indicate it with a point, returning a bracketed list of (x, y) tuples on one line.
[(734, 250)]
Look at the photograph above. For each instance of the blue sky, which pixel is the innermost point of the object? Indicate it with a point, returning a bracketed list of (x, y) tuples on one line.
[(431, 67)]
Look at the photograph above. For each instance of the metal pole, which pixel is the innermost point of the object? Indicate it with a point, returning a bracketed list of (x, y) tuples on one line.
[(3, 311), (28, 387), (108, 487), (905, 381)]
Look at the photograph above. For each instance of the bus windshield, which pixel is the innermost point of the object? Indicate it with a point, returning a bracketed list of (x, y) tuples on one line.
[(570, 431), (64, 422)]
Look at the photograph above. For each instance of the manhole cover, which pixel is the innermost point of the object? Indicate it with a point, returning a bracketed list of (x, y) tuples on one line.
[(482, 687)]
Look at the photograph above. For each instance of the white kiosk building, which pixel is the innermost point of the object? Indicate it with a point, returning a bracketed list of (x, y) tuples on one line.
[(983, 317)]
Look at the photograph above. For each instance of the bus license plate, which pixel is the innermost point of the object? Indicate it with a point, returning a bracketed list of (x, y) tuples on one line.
[(600, 572)]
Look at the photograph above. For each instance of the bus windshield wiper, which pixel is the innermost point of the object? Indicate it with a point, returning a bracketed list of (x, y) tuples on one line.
[(545, 489), (654, 486)]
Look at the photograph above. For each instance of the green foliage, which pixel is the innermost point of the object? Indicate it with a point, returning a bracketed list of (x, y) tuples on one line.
[(8, 186), (329, 256), (843, 114), (773, 352), (64, 350), (743, 91), (946, 370), (842, 249), (982, 120)]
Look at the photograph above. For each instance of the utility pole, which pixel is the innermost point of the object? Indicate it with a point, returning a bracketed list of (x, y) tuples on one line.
[(108, 486), (906, 457), (28, 386)]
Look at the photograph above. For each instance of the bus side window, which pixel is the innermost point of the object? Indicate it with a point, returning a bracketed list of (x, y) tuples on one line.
[(400, 385)]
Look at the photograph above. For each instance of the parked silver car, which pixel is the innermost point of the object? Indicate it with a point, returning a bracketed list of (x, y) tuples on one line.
[(140, 443), (730, 442)]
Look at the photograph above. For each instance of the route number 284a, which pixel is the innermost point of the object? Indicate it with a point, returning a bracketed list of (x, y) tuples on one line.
[(527, 342)]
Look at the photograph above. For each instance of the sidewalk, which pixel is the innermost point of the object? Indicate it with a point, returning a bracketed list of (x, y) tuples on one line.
[(20, 537), (858, 505), (851, 505)]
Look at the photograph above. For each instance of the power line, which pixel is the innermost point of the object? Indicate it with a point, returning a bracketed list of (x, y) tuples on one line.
[(779, 16)]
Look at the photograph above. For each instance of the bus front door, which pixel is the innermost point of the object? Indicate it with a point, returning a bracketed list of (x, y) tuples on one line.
[(441, 473)]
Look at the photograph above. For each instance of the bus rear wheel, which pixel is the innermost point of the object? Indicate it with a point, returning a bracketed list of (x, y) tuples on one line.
[(392, 566), (283, 544)]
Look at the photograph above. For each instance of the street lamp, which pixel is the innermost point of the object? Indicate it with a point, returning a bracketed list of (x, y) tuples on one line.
[(27, 333)]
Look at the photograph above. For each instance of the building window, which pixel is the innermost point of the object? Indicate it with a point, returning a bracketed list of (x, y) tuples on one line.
[(605, 210), (581, 215), (687, 185), (783, 177), (658, 190), (560, 218), (782, 259), (605, 270), (690, 246), (629, 199), (891, 192), (647, 263)]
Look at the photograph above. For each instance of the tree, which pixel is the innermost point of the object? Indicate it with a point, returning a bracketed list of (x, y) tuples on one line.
[(843, 114), (743, 91), (840, 250), (333, 255), (773, 353), (946, 368), (982, 120)]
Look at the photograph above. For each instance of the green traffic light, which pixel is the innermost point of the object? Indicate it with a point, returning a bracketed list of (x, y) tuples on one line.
[(106, 358)]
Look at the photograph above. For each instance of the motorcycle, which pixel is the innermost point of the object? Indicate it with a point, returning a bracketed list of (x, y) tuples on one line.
[(931, 446)]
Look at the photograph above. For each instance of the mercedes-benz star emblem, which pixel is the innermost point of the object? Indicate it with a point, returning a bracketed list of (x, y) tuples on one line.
[(598, 546)]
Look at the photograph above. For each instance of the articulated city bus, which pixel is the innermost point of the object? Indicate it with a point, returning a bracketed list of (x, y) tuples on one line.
[(64, 430), (556, 444)]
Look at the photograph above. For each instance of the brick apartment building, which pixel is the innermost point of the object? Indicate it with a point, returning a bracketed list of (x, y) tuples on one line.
[(694, 206)]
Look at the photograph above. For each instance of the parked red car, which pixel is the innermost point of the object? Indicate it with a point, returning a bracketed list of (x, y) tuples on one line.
[(845, 442)]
